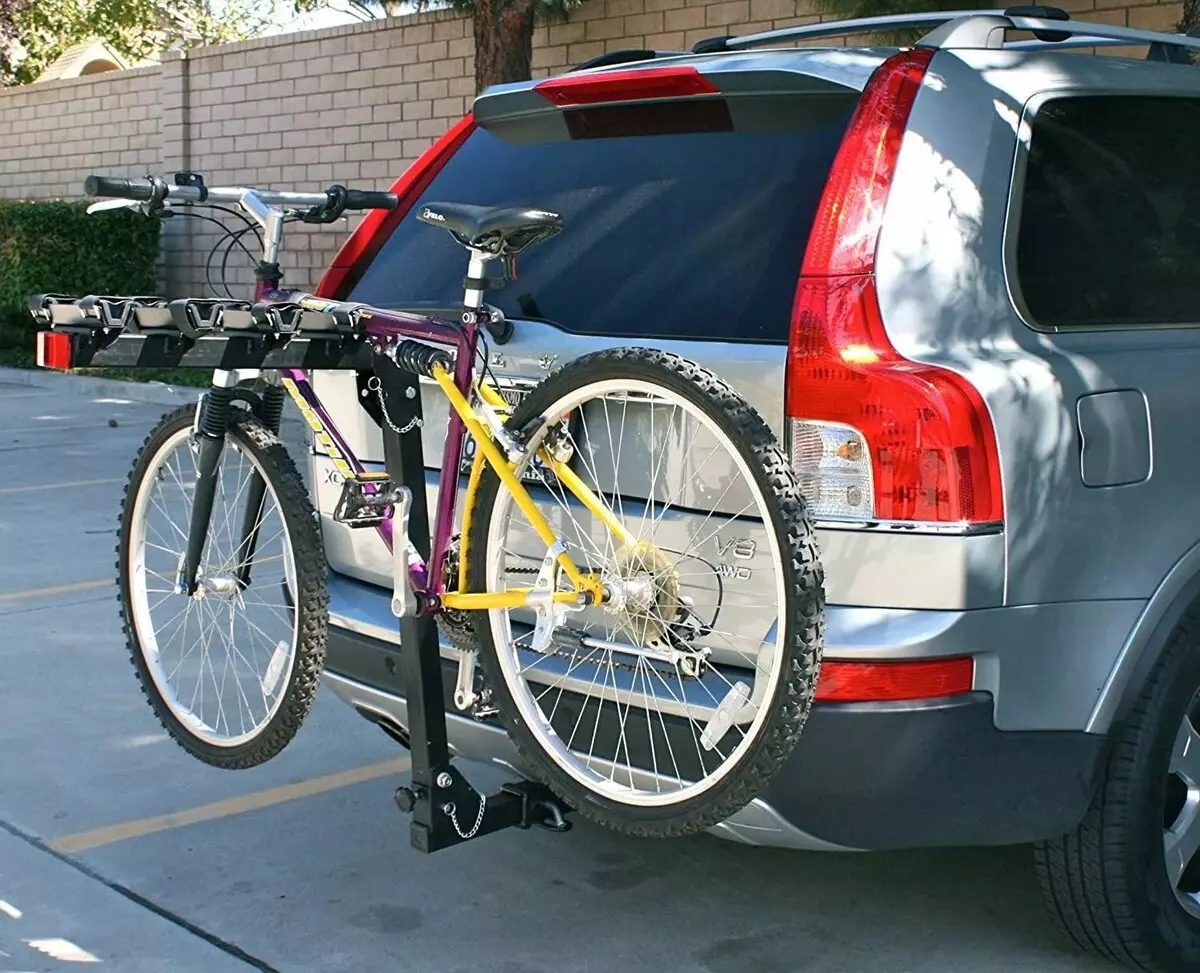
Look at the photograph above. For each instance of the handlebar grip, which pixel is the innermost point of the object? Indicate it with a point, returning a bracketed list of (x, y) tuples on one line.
[(119, 188), (368, 199)]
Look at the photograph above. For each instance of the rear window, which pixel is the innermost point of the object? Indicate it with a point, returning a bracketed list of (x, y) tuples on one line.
[(699, 233), (1109, 231)]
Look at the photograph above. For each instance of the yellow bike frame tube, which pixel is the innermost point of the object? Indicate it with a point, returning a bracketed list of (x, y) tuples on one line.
[(468, 509), (570, 480), (500, 464), (492, 397), (573, 483), (512, 598)]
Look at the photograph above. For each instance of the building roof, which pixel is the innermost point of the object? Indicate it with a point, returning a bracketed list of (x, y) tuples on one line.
[(93, 56)]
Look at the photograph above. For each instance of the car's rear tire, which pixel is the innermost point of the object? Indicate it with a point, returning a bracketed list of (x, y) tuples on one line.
[(1108, 884)]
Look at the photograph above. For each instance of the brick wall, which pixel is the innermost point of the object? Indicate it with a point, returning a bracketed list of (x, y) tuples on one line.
[(352, 104), (50, 132)]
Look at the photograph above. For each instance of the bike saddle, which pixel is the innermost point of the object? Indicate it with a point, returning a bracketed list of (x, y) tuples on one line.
[(494, 230)]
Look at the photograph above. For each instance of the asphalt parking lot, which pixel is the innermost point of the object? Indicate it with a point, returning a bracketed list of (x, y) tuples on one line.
[(119, 850)]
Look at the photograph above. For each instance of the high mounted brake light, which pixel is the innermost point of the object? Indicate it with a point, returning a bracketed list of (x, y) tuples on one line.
[(874, 435), (637, 85), (54, 350), (378, 224)]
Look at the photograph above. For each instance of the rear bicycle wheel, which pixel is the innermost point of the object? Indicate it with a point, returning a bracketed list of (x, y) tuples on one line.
[(673, 705), (232, 670)]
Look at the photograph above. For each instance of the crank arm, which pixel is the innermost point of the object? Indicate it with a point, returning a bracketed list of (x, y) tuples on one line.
[(404, 599), (464, 690)]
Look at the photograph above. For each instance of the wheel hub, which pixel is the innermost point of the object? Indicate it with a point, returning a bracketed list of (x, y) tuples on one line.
[(642, 591), (225, 586)]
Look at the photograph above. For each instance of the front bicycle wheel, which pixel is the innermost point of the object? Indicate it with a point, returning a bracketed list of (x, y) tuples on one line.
[(231, 671), (670, 706)]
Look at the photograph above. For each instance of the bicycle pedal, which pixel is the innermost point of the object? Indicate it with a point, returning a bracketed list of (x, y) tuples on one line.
[(358, 508)]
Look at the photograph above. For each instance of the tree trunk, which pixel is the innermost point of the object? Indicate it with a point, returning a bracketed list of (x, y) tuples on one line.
[(504, 42), (1189, 23)]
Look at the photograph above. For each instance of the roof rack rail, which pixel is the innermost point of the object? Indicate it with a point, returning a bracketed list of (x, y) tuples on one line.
[(835, 28), (617, 57), (1157, 52), (970, 29)]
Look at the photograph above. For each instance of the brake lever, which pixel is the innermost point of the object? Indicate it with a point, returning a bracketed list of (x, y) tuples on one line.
[(111, 204)]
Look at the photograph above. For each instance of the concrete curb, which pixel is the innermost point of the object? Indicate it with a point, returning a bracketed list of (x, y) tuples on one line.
[(95, 387)]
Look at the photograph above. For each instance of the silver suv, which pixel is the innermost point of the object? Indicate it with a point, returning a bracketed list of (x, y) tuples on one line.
[(961, 280)]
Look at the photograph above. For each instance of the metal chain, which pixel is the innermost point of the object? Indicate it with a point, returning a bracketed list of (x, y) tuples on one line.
[(450, 810), (378, 389)]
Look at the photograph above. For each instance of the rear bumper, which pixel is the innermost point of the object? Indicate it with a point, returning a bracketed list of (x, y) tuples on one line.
[(864, 775)]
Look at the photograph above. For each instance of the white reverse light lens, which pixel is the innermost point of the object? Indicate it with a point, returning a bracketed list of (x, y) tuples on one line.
[(833, 465)]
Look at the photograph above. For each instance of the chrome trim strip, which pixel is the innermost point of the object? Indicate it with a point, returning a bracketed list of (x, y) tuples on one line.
[(956, 529), (756, 824)]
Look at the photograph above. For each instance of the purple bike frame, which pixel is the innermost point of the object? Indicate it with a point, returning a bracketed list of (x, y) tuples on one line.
[(383, 328)]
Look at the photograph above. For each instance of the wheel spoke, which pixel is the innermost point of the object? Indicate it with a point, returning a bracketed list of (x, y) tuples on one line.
[(204, 653), (669, 463), (1185, 755), (1181, 843)]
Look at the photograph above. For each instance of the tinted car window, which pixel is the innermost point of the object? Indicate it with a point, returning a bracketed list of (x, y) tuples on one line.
[(1110, 216), (698, 233)]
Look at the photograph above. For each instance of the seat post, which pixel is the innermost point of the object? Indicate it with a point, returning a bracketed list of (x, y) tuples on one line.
[(476, 269)]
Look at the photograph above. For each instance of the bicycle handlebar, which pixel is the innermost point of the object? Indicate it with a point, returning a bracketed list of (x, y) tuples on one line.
[(119, 188), (369, 199), (152, 188)]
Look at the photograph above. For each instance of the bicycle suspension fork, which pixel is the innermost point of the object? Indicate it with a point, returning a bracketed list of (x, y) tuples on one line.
[(256, 491), (268, 277), (213, 422)]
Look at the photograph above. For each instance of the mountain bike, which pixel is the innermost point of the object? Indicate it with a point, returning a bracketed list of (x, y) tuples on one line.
[(644, 688)]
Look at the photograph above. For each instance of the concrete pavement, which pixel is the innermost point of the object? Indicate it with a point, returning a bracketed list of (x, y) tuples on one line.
[(116, 843)]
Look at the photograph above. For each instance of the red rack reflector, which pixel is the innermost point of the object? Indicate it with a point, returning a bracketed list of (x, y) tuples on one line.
[(860, 682), (54, 350)]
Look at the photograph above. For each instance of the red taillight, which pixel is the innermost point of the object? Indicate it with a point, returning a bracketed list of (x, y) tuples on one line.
[(932, 449), (378, 224), (861, 682), (846, 229), (639, 85), (54, 350)]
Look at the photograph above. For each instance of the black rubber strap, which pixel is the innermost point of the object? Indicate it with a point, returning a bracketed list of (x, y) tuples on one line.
[(481, 283)]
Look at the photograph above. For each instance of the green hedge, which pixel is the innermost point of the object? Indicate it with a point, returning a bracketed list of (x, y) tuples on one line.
[(56, 247)]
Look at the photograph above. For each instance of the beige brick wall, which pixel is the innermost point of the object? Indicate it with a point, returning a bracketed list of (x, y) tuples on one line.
[(353, 104), (54, 134)]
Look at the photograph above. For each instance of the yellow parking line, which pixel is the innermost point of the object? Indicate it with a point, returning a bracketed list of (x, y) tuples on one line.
[(87, 840), (61, 486), (58, 589)]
